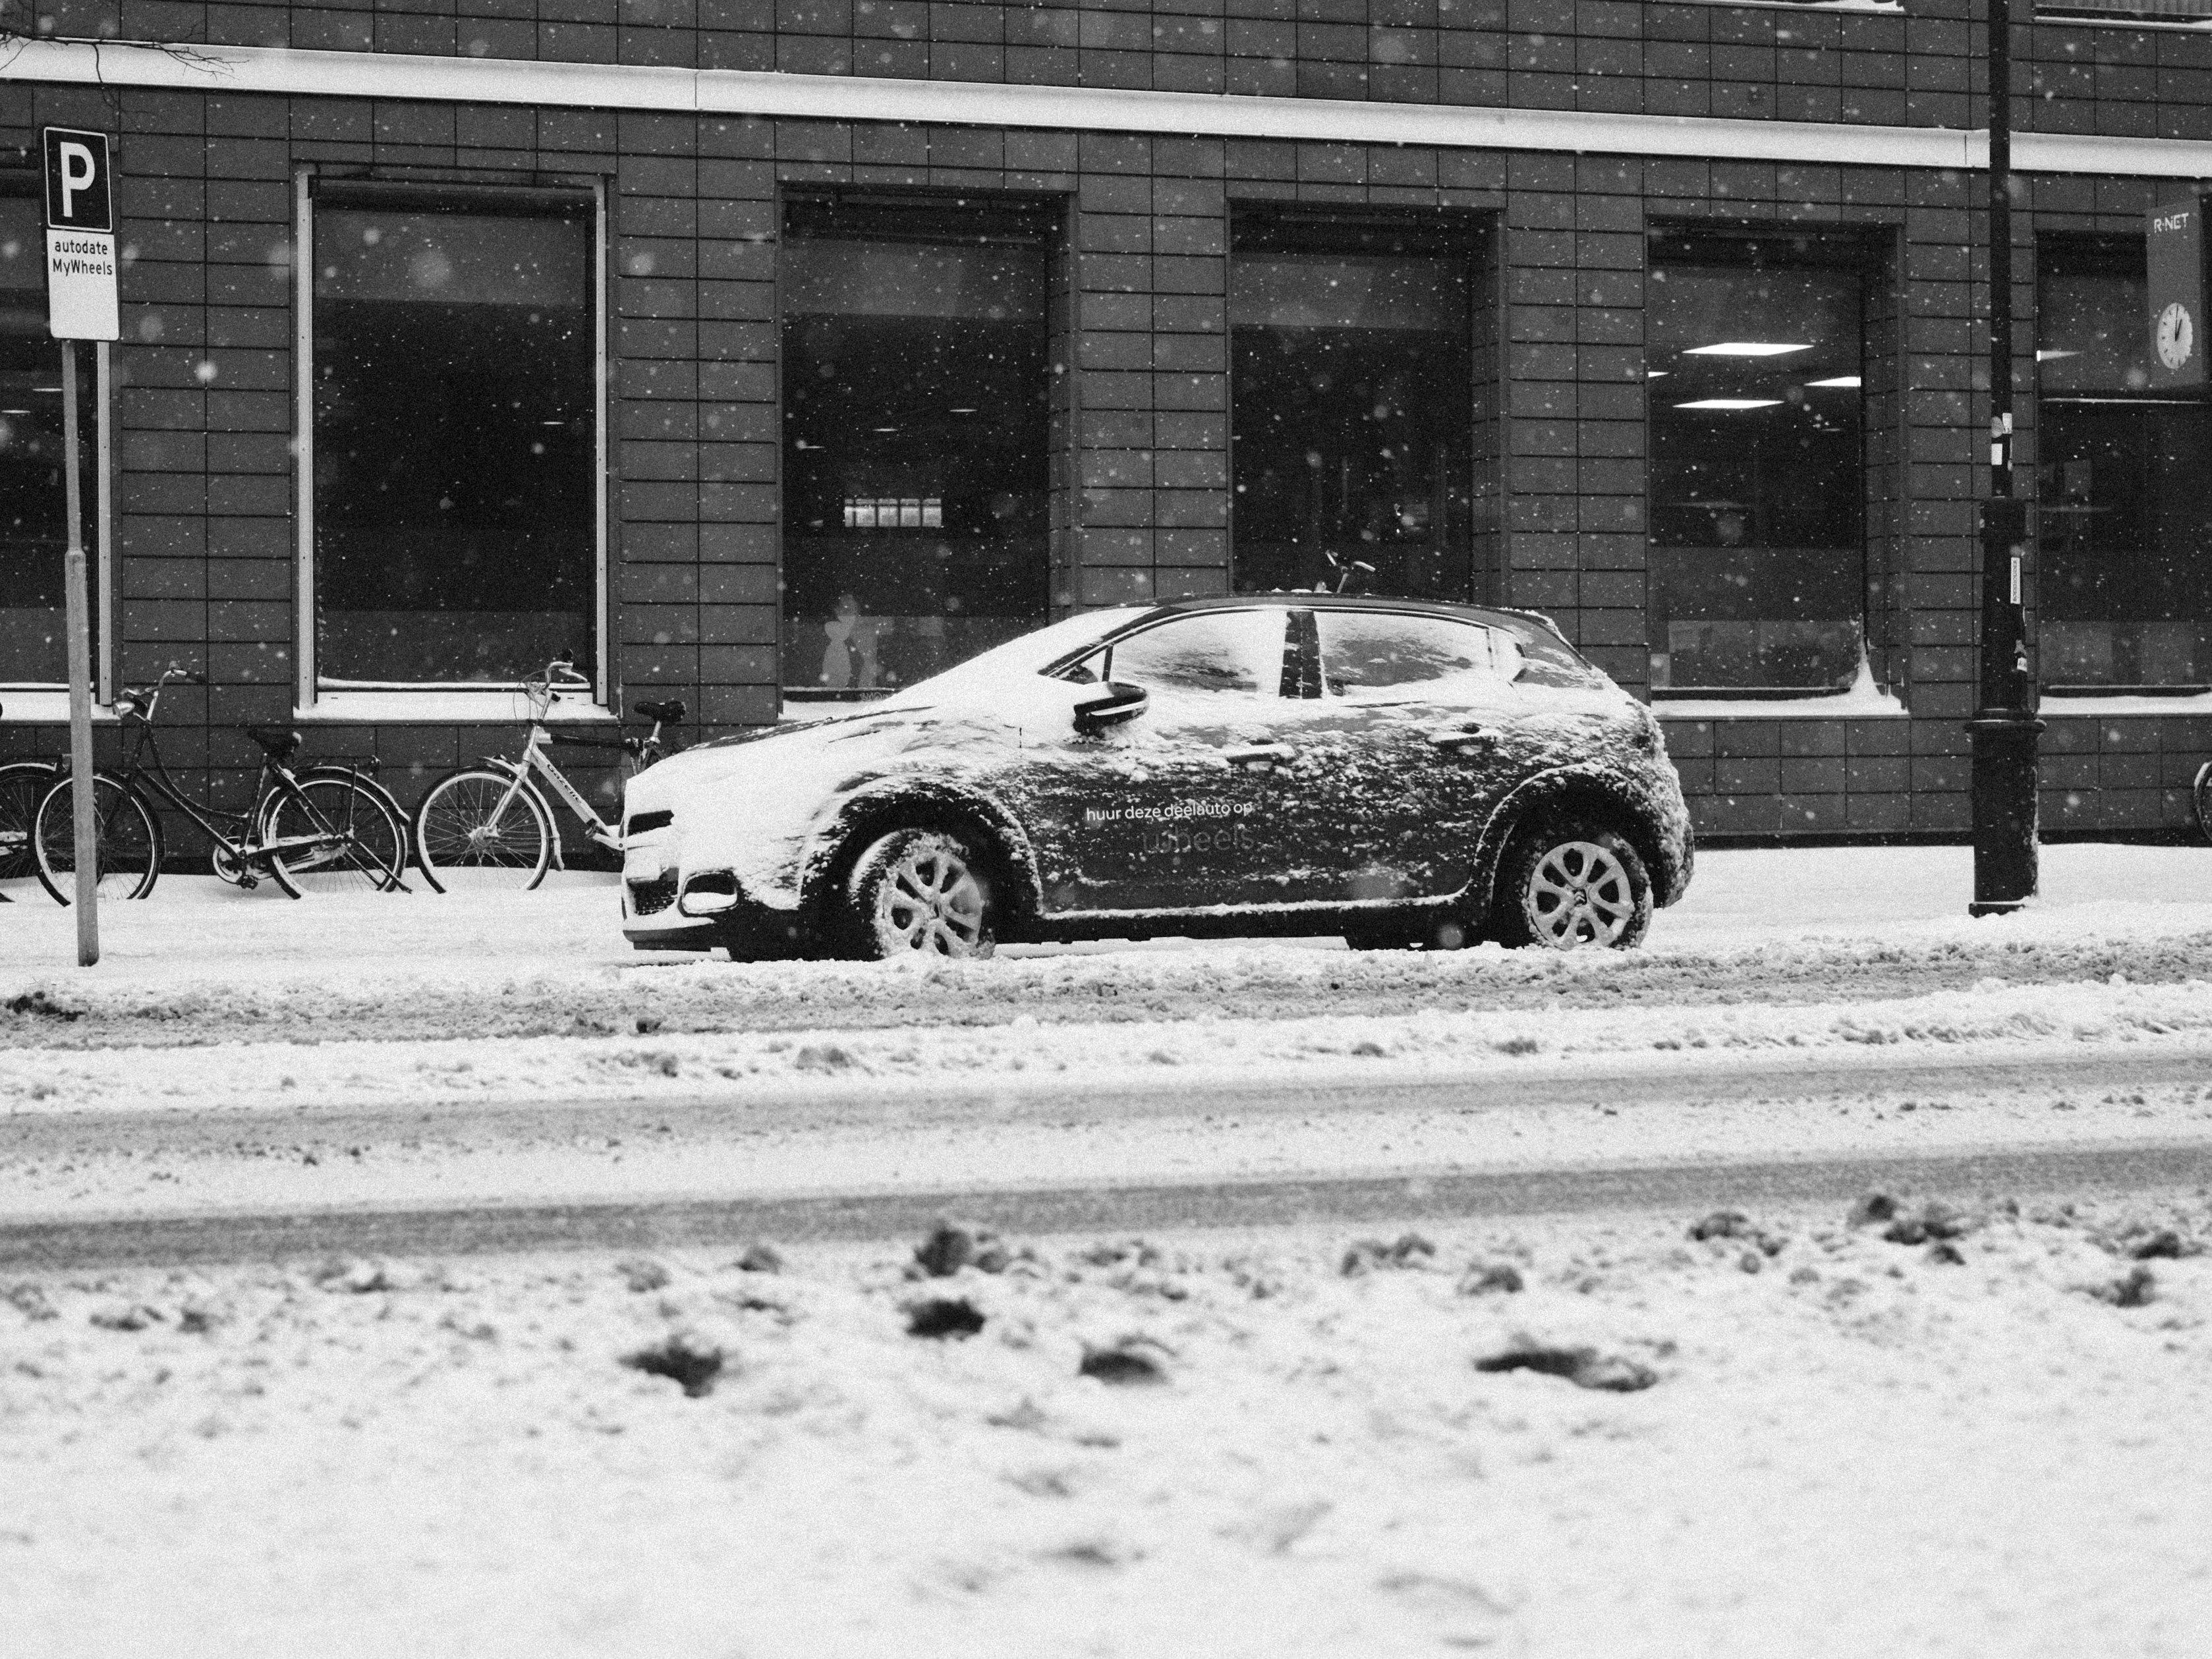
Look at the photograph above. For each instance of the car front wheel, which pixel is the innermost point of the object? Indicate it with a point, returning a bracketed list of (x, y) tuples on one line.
[(1571, 883), (920, 890)]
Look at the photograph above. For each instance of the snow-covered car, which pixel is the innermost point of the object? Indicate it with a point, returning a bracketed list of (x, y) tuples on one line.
[(1400, 772)]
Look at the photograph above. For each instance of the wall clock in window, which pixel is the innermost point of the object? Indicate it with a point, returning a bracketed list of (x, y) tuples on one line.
[(2177, 334)]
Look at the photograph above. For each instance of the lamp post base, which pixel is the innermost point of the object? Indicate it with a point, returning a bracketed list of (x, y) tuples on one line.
[(2006, 869)]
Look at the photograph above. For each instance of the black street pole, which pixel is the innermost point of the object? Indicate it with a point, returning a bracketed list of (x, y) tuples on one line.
[(2004, 728)]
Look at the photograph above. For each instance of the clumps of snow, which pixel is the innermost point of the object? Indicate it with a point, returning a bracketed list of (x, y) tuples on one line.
[(1491, 1278), (1131, 1361), (953, 1245), (691, 1366), (760, 1257), (1368, 1254), (126, 1316), (38, 1004), (939, 1317), (641, 1273), (30, 1301), (1586, 1368), (2136, 1288), (1902, 1224), (360, 1277)]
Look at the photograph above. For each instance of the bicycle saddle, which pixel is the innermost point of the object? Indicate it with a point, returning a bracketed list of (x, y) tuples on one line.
[(668, 713), (281, 741)]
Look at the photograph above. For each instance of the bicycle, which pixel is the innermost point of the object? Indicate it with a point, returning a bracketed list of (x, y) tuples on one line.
[(329, 827), (488, 826)]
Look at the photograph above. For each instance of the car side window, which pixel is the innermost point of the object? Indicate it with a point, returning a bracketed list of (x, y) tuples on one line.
[(1369, 655), (1211, 650)]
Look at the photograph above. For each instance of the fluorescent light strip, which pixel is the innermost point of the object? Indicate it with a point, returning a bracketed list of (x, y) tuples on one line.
[(1733, 403), (1837, 381), (1748, 349)]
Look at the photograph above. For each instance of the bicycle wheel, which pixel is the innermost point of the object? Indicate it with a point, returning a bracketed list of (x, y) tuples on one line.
[(328, 835), (126, 839), (385, 797), (479, 829), (21, 783)]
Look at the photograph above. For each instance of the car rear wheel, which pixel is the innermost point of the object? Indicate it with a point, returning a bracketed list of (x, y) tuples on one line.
[(920, 891), (1570, 883)]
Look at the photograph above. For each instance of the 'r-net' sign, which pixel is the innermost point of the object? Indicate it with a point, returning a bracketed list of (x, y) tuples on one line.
[(81, 302)]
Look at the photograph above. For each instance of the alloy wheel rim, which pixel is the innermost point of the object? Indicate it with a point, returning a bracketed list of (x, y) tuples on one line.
[(1580, 894), (931, 903)]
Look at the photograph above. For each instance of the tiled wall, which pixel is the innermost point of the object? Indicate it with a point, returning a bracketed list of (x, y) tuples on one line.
[(204, 391)]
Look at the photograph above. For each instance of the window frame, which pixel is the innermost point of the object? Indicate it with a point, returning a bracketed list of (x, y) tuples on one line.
[(24, 703), (888, 214), (1863, 251), (2119, 252), (435, 701), (1467, 238)]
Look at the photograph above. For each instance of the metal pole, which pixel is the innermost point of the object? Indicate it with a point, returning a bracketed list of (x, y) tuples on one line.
[(2004, 728), (78, 617)]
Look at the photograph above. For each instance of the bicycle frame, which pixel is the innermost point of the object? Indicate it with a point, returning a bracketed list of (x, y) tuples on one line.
[(158, 780), (272, 778), (536, 759)]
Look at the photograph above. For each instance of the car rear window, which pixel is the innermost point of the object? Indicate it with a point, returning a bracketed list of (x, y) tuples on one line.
[(1545, 658), (1375, 654)]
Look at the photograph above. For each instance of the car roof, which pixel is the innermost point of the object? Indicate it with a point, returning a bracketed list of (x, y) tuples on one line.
[(1296, 598)]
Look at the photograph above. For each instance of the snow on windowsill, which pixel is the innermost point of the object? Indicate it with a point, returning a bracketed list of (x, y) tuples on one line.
[(503, 705), (2196, 702), (1864, 699), (44, 706)]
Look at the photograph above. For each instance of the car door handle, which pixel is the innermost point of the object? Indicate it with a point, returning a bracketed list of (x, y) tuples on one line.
[(1257, 757), (1461, 739)]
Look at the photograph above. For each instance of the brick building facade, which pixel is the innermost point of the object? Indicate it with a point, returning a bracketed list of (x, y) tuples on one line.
[(1579, 152)]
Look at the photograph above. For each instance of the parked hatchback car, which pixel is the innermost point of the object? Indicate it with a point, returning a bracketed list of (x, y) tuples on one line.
[(1398, 772)]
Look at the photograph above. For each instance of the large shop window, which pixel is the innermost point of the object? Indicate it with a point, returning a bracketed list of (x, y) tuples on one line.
[(1758, 568), (916, 388), (34, 502), (453, 379), (1354, 405), (2124, 512)]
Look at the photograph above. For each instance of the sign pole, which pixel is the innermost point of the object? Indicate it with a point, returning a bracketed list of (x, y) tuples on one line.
[(81, 305), (78, 617)]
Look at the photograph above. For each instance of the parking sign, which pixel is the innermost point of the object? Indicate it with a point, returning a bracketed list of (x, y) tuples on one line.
[(81, 302)]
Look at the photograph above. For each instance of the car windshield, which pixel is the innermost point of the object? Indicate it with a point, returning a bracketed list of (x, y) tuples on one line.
[(1031, 653)]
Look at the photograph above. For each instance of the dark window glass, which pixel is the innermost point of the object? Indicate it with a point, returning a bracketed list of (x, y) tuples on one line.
[(1214, 651), (1758, 568), (1353, 409), (1368, 654), (456, 442), (2124, 516), (34, 503), (916, 383)]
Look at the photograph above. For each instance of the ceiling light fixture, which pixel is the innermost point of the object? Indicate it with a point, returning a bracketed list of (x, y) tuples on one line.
[(1733, 403), (1837, 380), (1748, 349), (2054, 353)]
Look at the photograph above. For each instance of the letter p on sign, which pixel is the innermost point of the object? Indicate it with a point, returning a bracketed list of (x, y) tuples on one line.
[(81, 298)]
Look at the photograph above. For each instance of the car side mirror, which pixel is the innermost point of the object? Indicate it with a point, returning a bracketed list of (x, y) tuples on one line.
[(1114, 703)]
